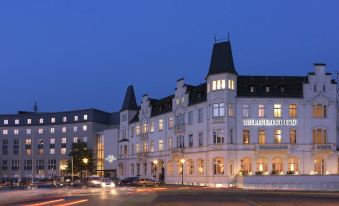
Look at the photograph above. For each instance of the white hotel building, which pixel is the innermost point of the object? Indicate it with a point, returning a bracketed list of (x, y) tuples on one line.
[(234, 129)]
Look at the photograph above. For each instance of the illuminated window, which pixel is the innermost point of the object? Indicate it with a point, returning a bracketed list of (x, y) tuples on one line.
[(161, 144), (75, 129), (231, 84), (145, 146), (251, 89), (41, 120), (277, 136), (170, 167), (152, 127), (144, 128), (52, 120), (201, 167), (218, 136), (28, 131), (319, 111), (16, 121), (52, 130), (218, 84), (246, 166), (152, 146), (170, 142), (161, 124), (230, 110), (85, 117), (40, 147), (75, 139), (277, 165), (170, 122), (319, 136), (219, 110), (293, 110), (190, 167), (29, 121), (137, 148), (319, 166), (218, 166), (293, 136), (5, 121), (16, 131), (262, 165), (293, 164), (64, 129), (262, 136), (245, 110), (267, 89), (64, 119), (41, 131), (5, 132), (137, 130), (261, 111), (84, 128), (76, 118), (246, 136), (277, 110), (28, 146)]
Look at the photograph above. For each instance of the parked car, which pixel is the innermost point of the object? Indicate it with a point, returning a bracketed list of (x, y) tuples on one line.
[(145, 182), (107, 183)]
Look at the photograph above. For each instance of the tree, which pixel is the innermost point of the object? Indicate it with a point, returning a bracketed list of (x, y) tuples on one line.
[(83, 159)]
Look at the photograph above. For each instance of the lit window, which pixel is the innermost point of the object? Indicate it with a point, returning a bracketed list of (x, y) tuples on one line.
[(293, 110), (161, 144), (84, 139), (231, 84), (261, 111), (6, 121), (218, 84), (230, 110), (85, 117), (28, 131), (75, 129), (63, 140), (319, 111), (52, 120), (41, 120), (63, 151), (218, 166), (245, 110), (41, 131), (16, 131), (64, 119), (16, 121), (52, 130), (277, 136), (137, 130), (161, 124), (64, 129), (84, 127), (29, 121), (246, 136), (293, 136), (52, 141), (219, 110), (5, 132), (75, 139), (144, 128), (251, 89), (76, 118), (152, 127), (262, 136), (319, 136), (218, 136), (137, 148), (170, 122), (277, 110)]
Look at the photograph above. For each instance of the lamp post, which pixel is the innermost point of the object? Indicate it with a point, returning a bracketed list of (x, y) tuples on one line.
[(155, 162), (85, 161), (182, 160)]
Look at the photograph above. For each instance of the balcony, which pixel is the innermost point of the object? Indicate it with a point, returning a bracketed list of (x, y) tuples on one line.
[(218, 120), (323, 148), (142, 155), (179, 128), (262, 148), (177, 151), (144, 136)]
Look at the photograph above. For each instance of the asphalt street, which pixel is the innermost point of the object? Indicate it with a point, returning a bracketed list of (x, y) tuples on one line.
[(166, 196)]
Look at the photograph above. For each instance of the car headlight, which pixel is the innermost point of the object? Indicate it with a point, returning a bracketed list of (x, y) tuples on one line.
[(103, 184)]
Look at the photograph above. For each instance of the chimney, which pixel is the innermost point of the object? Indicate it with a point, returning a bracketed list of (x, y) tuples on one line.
[(319, 68)]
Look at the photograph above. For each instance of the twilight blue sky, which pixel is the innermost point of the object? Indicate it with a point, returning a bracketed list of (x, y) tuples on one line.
[(81, 54)]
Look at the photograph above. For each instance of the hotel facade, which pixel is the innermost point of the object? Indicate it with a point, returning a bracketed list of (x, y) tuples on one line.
[(218, 133)]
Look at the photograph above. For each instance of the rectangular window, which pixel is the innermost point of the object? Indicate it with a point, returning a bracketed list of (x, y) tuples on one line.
[(28, 165), (64, 130), (231, 84), (137, 148), (15, 165), (180, 141), (5, 121), (218, 84), (200, 115), (292, 110), (230, 110), (190, 140), (218, 136), (52, 164), (277, 110), (170, 144), (161, 145), (84, 139), (246, 136), (245, 110), (4, 165), (28, 146), (16, 131), (190, 117), (41, 120), (137, 130), (4, 147), (161, 124), (16, 146), (261, 111), (75, 129), (85, 117), (219, 110), (319, 136), (5, 132), (277, 136), (41, 131), (40, 147), (84, 128), (319, 111), (201, 140), (293, 136), (28, 131), (152, 126), (145, 147), (29, 121), (64, 119), (52, 130), (76, 118), (152, 146), (16, 121), (170, 122), (145, 128), (40, 165), (75, 139), (52, 120), (262, 136)]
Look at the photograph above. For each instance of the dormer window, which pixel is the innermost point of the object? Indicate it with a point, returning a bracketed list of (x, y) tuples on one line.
[(267, 89), (251, 89), (231, 84), (218, 84)]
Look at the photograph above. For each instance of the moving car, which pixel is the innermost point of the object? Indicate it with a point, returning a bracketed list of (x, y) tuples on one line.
[(107, 183), (145, 182)]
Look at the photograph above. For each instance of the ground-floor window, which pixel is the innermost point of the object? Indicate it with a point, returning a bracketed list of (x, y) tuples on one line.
[(319, 165), (246, 166), (262, 165), (201, 167), (218, 166), (230, 168), (277, 165), (293, 165), (190, 167)]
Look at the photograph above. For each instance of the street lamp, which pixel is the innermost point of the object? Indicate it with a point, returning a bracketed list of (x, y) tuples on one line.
[(182, 160), (155, 162)]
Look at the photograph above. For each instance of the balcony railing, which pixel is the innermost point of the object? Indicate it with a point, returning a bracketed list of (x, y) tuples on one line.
[(324, 147), (177, 151), (277, 147), (144, 136), (179, 128), (142, 154)]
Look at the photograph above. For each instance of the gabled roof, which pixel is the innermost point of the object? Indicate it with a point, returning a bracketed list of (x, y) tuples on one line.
[(222, 59), (278, 86), (130, 102)]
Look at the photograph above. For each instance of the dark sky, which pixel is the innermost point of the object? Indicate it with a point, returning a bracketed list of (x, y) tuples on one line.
[(82, 54)]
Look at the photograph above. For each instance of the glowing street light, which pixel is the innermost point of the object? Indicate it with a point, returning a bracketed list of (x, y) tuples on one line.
[(155, 163), (85, 161), (182, 160)]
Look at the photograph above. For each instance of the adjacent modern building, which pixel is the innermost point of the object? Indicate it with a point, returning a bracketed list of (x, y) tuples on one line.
[(230, 126)]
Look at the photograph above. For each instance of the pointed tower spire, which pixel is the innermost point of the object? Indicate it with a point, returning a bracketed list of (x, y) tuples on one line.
[(130, 102), (222, 59)]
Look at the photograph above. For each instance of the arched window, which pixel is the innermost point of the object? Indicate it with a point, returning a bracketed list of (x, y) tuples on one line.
[(262, 164), (319, 165), (319, 136), (218, 166), (246, 166), (190, 167), (170, 167), (293, 165), (201, 167), (179, 168), (277, 165), (121, 169)]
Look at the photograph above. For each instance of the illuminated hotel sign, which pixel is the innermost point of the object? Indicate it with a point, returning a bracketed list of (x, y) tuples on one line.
[(110, 158), (270, 122)]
